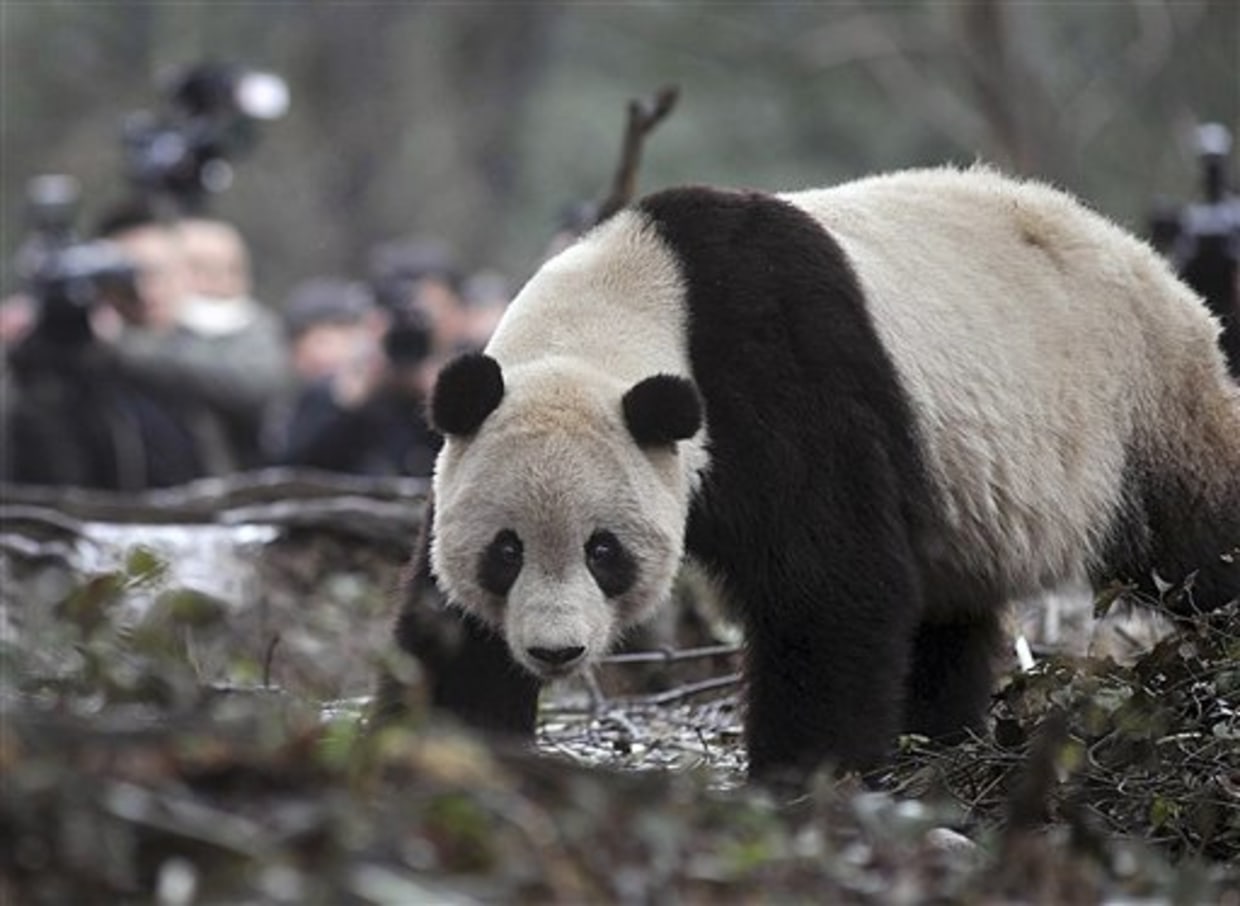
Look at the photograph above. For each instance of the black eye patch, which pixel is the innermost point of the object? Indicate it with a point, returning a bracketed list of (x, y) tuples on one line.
[(501, 563), (610, 563)]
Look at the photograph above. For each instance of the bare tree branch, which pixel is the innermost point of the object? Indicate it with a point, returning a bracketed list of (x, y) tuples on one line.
[(644, 115), (671, 655)]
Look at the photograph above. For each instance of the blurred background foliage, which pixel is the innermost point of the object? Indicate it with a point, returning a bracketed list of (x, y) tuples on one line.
[(479, 122)]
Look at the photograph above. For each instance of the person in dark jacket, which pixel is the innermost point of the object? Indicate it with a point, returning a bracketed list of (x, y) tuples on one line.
[(365, 377), (77, 416)]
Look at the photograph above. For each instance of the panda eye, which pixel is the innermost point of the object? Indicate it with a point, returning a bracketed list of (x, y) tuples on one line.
[(602, 548), (611, 565), (501, 563), (508, 548)]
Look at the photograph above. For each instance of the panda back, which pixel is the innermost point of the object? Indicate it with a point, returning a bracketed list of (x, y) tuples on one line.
[(613, 300), (1037, 342)]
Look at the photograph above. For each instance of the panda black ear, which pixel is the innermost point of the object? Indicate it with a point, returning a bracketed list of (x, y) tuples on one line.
[(467, 391), (661, 410)]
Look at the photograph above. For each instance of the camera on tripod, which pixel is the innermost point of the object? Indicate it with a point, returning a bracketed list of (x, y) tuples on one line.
[(182, 154), (173, 161)]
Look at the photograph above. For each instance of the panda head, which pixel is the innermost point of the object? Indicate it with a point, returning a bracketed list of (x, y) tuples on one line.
[(560, 501)]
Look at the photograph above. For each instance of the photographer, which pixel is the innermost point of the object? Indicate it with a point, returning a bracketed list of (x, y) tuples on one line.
[(1202, 239), (420, 278), (1210, 255), (75, 413), (367, 372)]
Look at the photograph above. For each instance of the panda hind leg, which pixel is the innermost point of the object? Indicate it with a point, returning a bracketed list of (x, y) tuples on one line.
[(948, 689)]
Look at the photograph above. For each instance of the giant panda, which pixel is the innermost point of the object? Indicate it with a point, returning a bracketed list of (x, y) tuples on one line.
[(873, 412)]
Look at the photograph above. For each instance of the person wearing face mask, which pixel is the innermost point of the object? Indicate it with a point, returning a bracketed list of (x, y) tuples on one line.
[(210, 338)]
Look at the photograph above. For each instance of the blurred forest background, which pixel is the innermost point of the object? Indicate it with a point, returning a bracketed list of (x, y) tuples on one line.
[(480, 122)]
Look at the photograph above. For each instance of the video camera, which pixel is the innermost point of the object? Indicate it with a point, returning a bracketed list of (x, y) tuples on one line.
[(182, 154), (66, 276), (174, 160)]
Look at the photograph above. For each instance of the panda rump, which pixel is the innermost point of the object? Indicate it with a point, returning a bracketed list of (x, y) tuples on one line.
[(878, 411)]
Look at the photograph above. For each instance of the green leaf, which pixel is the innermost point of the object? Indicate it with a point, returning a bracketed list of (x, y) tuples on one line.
[(144, 567), (1163, 811)]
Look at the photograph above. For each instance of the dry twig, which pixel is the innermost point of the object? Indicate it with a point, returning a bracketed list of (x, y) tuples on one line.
[(644, 115)]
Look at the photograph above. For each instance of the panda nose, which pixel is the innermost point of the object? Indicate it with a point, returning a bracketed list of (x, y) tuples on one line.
[(557, 657)]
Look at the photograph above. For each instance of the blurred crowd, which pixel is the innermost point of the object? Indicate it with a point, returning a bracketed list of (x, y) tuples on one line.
[(176, 371)]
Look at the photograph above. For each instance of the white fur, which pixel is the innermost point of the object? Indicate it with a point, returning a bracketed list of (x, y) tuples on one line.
[(1038, 341), (614, 301)]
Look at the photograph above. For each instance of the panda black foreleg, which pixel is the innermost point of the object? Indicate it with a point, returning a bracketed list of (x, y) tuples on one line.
[(825, 673), (823, 691), (950, 684)]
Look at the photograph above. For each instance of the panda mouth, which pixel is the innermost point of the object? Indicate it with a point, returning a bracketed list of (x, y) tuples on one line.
[(555, 663)]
